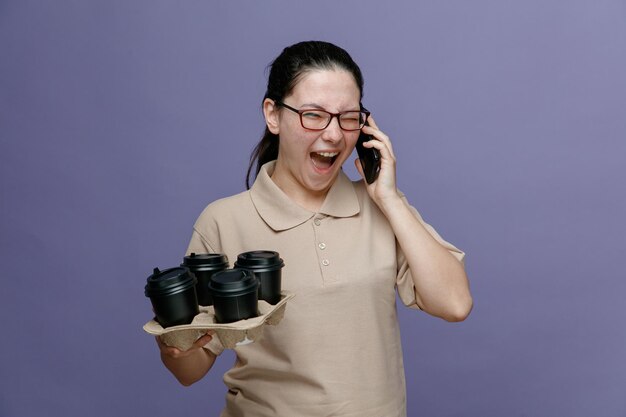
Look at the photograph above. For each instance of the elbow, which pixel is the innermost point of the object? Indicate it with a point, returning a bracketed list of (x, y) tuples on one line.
[(460, 311), (187, 382)]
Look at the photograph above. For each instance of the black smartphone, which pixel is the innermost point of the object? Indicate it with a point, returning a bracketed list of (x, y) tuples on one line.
[(370, 158)]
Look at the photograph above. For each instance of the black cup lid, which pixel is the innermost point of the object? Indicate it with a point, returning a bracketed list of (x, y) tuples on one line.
[(259, 259), (205, 259), (169, 280), (233, 280)]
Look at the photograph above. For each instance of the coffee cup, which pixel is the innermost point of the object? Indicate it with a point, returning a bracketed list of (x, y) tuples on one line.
[(172, 293), (235, 295), (203, 266), (266, 266)]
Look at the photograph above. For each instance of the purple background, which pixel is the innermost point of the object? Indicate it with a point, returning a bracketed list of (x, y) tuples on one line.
[(120, 121)]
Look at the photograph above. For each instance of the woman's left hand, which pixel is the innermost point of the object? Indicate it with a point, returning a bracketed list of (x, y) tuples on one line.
[(440, 283), (384, 189)]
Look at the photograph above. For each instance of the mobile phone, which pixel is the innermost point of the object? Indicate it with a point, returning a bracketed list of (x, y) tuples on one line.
[(370, 158)]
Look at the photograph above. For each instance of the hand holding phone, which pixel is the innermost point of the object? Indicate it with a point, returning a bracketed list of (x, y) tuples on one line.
[(370, 158)]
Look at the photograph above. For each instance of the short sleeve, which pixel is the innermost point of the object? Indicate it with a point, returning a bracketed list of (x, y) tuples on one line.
[(198, 244), (404, 280)]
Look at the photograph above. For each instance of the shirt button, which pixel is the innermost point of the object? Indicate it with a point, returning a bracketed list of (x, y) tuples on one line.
[(325, 262), (317, 222), (322, 246)]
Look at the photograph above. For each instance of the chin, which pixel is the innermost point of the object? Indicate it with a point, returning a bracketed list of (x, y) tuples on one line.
[(322, 185)]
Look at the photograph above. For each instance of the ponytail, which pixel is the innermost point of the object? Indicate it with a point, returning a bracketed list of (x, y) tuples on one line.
[(265, 151)]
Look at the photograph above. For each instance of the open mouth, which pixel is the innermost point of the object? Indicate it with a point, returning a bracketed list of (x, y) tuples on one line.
[(323, 160)]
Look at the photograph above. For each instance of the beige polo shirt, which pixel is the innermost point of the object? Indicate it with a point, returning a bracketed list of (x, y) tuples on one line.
[(337, 351)]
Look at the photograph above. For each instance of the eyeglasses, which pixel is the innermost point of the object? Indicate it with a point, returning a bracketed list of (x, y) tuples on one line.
[(315, 119)]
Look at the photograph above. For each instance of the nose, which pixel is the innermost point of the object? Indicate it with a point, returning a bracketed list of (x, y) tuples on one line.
[(333, 132)]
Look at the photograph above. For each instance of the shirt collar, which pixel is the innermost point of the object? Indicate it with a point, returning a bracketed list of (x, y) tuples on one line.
[(281, 213)]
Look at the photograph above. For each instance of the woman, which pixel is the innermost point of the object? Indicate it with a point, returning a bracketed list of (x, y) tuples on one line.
[(347, 246)]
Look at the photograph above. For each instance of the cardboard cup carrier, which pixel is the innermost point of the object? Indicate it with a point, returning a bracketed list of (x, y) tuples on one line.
[(237, 315)]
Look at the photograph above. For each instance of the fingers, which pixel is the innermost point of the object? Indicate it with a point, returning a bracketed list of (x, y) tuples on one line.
[(385, 185), (373, 130), (384, 147), (204, 339), (177, 353), (167, 350)]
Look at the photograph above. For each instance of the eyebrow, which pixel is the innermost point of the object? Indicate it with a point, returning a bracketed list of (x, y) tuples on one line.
[(317, 106)]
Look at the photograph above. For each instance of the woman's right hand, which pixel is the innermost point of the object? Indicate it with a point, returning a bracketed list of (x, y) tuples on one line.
[(188, 366), (176, 353)]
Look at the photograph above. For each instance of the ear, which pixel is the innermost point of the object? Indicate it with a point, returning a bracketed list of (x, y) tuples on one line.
[(272, 115)]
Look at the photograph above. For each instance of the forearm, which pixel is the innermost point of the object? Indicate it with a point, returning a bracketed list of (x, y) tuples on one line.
[(189, 369), (441, 285)]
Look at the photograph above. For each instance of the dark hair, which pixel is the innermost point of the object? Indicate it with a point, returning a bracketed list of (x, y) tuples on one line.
[(285, 72)]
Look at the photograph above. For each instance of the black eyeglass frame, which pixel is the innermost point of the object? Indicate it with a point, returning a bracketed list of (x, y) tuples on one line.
[(337, 115)]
